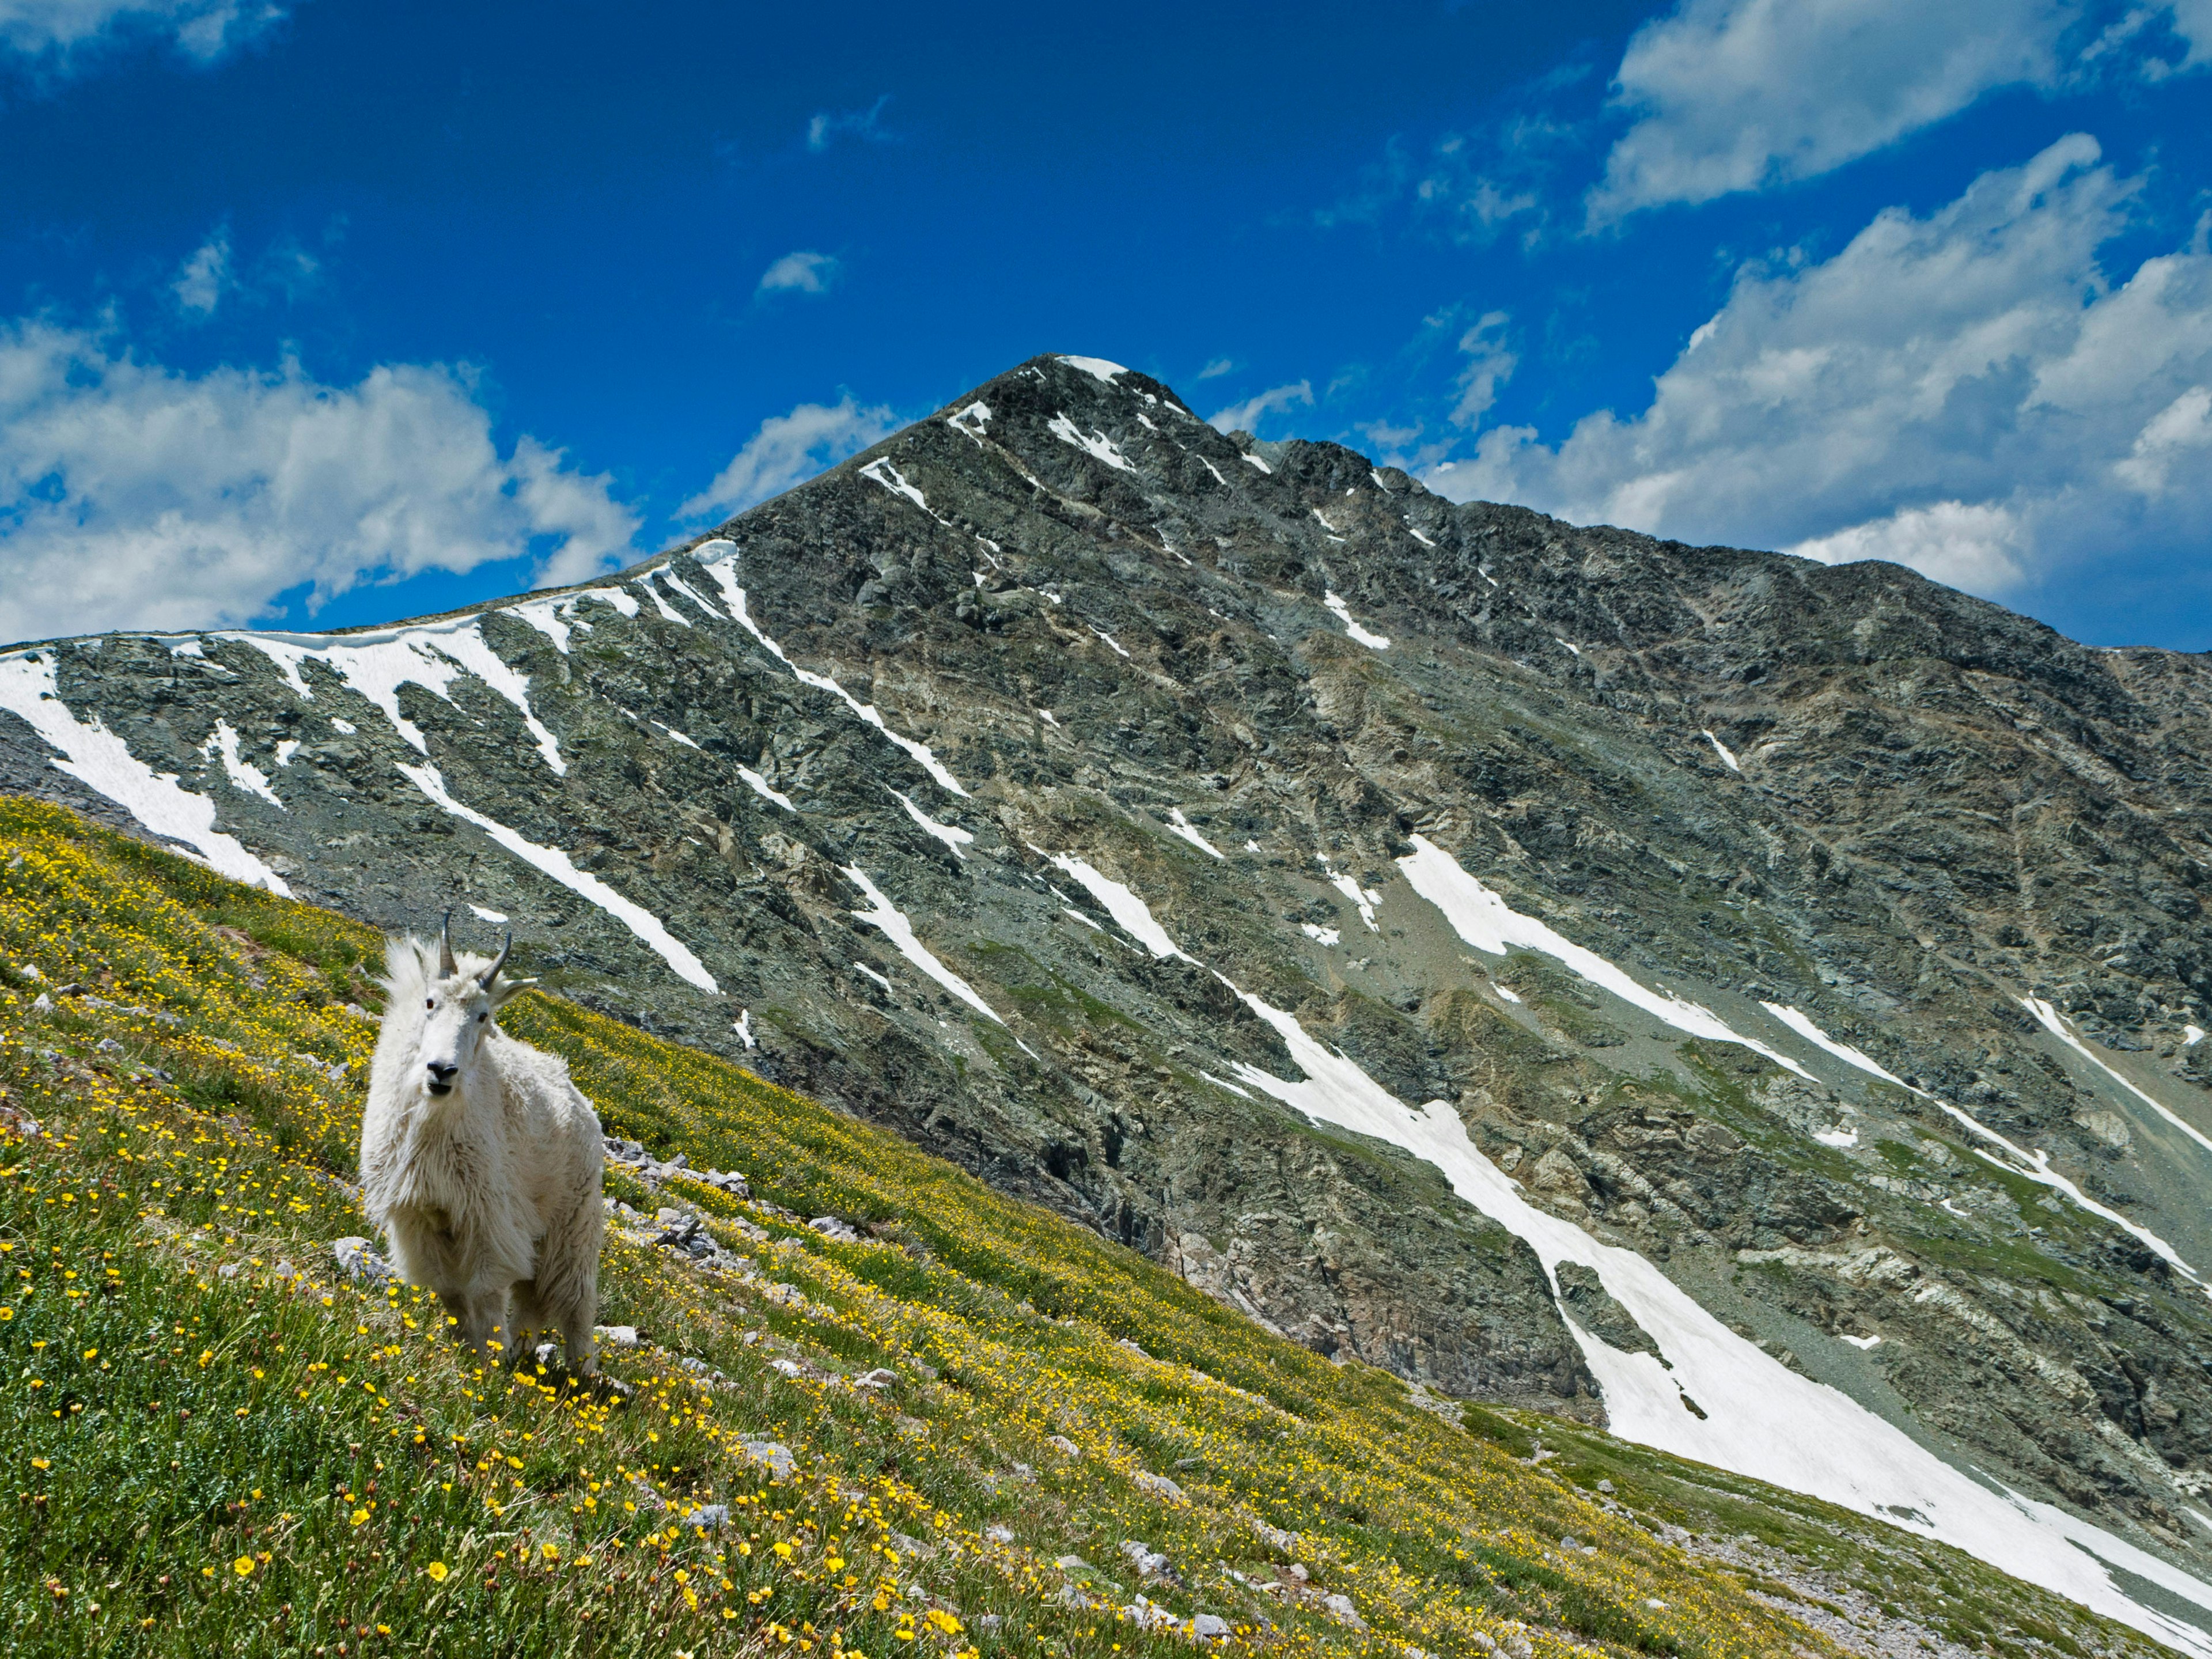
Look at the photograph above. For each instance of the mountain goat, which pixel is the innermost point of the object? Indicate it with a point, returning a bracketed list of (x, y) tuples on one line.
[(479, 1159)]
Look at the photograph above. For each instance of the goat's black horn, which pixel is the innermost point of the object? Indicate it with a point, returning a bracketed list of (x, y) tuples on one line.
[(505, 949), (446, 965)]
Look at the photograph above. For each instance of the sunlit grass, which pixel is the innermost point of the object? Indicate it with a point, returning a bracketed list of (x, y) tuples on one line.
[(222, 1445)]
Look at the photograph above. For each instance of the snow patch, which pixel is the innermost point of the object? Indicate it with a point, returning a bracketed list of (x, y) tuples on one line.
[(374, 666), (1130, 913), (724, 573), (1372, 642), (1319, 935), (951, 834), (1487, 922), (676, 734), (99, 759), (1861, 1343), (1838, 1139), (2192, 1036), (863, 968), (1812, 1034), (1760, 1418), (551, 617), (893, 480), (2036, 1166), (1215, 471), (482, 914), (187, 648), (1364, 902), (1256, 461), (1417, 537), (2056, 1026), (1183, 827), (1098, 367), (667, 574), (971, 421), (742, 1025), (286, 748), (1728, 757), (891, 922), (1097, 445), (242, 773), (761, 787), (666, 610), (1506, 992), (557, 865), (1118, 648)]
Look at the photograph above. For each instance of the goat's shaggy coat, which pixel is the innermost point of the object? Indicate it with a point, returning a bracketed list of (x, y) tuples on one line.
[(480, 1159)]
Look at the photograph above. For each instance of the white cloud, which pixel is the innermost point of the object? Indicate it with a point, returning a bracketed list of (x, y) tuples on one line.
[(132, 496), (1490, 365), (206, 276), (1223, 365), (801, 272), (1739, 95), (201, 29), (1245, 416), (1968, 392), (789, 449)]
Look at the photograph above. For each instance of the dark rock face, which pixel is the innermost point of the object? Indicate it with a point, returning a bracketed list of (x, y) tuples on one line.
[(1147, 663)]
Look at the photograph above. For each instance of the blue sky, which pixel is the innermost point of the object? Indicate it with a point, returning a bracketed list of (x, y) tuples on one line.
[(314, 312)]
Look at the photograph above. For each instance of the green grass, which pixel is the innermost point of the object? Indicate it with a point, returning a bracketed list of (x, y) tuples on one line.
[(222, 1445)]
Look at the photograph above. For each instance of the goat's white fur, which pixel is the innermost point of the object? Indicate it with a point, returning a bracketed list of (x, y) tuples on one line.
[(487, 1194)]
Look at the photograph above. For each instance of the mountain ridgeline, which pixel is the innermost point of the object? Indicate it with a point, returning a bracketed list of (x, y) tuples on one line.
[(1750, 1004)]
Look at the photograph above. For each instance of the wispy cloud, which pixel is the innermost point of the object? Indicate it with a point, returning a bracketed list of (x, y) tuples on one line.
[(789, 449), (1246, 417), (62, 35), (204, 278), (1219, 365), (800, 272), (134, 496), (1490, 364), (827, 126)]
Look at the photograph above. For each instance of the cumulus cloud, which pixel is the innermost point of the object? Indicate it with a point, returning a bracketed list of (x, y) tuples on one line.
[(789, 449), (1731, 95), (800, 272), (1246, 417), (133, 496), (1969, 392), (57, 31), (204, 278)]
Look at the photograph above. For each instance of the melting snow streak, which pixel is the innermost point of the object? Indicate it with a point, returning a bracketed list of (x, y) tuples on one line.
[(557, 865), (892, 923), (96, 757), (1487, 922)]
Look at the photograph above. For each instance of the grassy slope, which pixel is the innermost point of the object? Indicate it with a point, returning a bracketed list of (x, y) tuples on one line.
[(223, 1445)]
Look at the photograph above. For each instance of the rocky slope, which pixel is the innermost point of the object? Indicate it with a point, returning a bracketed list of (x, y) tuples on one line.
[(1749, 1003)]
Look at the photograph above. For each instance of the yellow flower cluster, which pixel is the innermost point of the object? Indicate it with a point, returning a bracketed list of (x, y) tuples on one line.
[(859, 1448)]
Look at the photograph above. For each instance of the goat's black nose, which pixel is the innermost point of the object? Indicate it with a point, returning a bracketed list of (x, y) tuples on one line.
[(442, 1073)]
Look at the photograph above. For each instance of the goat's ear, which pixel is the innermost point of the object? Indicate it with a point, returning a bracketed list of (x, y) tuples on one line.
[(500, 990)]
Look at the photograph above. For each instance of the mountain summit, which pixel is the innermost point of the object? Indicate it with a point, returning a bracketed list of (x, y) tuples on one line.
[(1754, 1005)]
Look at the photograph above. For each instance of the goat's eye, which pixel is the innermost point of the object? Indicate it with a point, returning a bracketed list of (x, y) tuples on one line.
[(481, 1019), (432, 1003)]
